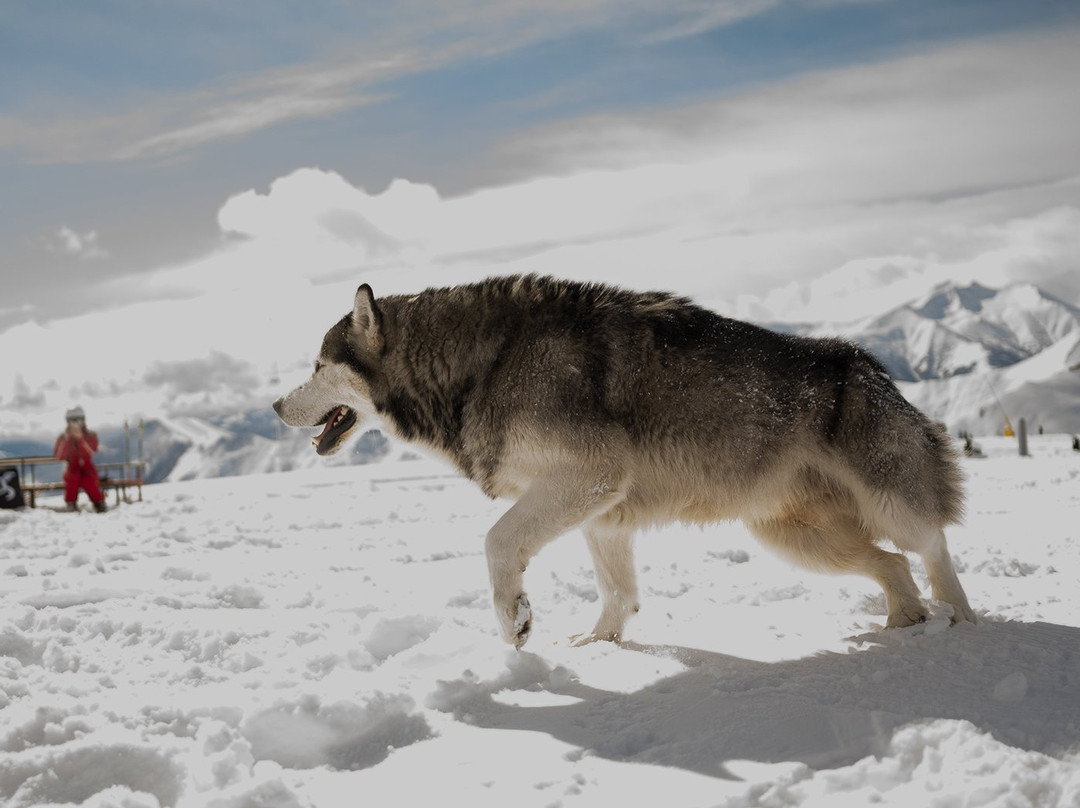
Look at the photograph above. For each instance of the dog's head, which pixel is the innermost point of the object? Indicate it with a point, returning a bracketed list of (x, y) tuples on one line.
[(337, 397)]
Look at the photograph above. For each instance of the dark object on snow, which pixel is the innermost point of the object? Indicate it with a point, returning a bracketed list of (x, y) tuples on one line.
[(11, 495), (971, 448)]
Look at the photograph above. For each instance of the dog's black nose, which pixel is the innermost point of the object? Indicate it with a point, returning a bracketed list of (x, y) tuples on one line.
[(277, 406)]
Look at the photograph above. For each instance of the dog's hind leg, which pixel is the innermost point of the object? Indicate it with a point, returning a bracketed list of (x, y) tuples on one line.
[(611, 546), (840, 544), (944, 583), (547, 509)]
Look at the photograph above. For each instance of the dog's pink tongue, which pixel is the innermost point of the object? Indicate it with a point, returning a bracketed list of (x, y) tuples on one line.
[(329, 424)]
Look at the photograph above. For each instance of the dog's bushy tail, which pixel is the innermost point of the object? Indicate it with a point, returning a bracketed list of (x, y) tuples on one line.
[(896, 449)]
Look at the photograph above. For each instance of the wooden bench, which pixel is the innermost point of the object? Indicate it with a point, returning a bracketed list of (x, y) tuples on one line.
[(128, 474)]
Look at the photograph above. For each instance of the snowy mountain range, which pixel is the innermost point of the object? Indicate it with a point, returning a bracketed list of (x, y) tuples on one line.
[(980, 360), (963, 329), (977, 358), (969, 356)]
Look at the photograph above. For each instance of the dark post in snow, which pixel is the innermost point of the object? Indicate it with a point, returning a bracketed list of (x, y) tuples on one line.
[(139, 468), (1023, 437)]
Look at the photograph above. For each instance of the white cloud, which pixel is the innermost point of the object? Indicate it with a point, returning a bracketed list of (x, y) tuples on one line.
[(22, 398), (310, 203), (830, 197), (238, 119), (402, 39), (1043, 249), (963, 118), (819, 198), (172, 123), (697, 18), (85, 245)]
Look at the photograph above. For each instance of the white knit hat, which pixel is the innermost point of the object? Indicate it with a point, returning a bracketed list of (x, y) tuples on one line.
[(76, 414)]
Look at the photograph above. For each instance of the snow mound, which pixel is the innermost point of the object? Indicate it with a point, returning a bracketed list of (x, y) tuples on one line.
[(77, 771), (341, 735)]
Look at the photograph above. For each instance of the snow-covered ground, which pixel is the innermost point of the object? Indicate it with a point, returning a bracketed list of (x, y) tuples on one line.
[(324, 638)]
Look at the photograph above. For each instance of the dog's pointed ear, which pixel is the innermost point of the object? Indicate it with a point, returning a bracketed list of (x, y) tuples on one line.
[(366, 318)]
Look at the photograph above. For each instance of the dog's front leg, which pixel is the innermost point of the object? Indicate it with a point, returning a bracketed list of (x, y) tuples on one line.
[(611, 547), (548, 509)]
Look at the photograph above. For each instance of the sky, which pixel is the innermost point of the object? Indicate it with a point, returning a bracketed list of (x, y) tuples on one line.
[(189, 193)]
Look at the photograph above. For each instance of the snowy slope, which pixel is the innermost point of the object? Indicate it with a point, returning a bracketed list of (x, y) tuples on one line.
[(324, 638), (1042, 390)]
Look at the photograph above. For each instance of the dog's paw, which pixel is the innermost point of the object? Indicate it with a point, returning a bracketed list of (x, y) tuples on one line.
[(907, 615), (515, 620), (522, 620), (609, 628), (963, 614), (580, 640)]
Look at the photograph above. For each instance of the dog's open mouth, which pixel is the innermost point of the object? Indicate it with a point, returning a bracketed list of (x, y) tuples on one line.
[(336, 425)]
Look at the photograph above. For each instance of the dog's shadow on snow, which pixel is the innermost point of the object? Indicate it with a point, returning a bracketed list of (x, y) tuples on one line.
[(1017, 681)]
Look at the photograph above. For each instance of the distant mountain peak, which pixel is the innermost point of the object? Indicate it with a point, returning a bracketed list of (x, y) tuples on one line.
[(948, 297)]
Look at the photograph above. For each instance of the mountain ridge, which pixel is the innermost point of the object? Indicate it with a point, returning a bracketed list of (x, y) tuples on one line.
[(956, 329), (968, 355)]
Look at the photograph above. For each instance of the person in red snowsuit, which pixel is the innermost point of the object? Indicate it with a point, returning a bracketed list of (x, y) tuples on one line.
[(77, 446)]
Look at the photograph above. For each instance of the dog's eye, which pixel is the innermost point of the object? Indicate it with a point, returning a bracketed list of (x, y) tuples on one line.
[(318, 366)]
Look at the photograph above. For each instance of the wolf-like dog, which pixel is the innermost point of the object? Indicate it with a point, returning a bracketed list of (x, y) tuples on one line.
[(612, 410)]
